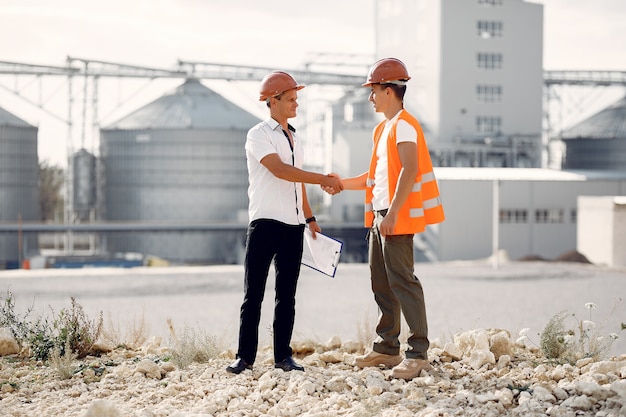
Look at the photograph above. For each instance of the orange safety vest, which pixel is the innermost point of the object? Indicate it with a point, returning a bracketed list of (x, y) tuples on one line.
[(423, 206)]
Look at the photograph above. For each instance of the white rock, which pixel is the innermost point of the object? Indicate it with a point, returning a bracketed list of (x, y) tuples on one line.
[(337, 384), (102, 408), (500, 344), (617, 367), (619, 387), (591, 389), (8, 344), (333, 343), (375, 382), (149, 369), (557, 374), (579, 403), (480, 357), (266, 382), (152, 346), (542, 394), (504, 397), (504, 361), (453, 351), (333, 356), (472, 340), (560, 393)]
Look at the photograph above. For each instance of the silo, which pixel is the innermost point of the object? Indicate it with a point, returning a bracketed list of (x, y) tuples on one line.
[(599, 142), (179, 159), (19, 196), (84, 172)]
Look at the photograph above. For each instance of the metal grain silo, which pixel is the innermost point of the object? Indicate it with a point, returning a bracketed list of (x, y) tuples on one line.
[(598, 142), (179, 159), (19, 195), (84, 170)]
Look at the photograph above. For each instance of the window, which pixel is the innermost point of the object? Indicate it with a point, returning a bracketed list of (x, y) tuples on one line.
[(514, 216), (573, 216), (489, 29), (488, 93), (549, 216), (490, 2), (489, 60), (488, 124)]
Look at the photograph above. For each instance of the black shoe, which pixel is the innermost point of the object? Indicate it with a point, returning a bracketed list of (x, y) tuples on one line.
[(288, 364), (238, 366)]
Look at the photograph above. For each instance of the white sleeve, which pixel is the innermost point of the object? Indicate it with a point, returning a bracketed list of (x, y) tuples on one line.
[(259, 144), (405, 132)]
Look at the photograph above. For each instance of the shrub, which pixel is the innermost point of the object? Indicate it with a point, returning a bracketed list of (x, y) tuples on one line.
[(582, 340), (70, 329)]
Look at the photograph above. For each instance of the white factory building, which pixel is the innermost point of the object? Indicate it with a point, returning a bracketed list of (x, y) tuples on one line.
[(477, 75)]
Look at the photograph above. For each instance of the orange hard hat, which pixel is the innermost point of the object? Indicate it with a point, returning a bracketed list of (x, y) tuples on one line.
[(276, 83), (387, 71)]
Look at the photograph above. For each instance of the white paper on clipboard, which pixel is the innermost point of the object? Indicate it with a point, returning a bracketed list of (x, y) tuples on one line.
[(321, 253)]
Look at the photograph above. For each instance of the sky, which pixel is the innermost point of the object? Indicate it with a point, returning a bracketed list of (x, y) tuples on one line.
[(578, 34)]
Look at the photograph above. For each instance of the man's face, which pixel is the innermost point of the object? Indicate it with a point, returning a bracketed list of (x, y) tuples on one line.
[(379, 96), (287, 104)]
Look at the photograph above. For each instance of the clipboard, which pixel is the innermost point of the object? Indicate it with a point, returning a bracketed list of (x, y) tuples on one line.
[(322, 253)]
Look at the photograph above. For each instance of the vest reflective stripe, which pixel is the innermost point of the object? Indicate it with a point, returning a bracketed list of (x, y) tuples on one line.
[(428, 176), (423, 205), (416, 212), (432, 203)]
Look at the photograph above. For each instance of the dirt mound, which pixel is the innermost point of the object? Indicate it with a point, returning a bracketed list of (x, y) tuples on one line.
[(532, 258), (573, 256)]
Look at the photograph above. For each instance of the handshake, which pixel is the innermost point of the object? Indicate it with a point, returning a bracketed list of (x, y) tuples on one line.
[(333, 184)]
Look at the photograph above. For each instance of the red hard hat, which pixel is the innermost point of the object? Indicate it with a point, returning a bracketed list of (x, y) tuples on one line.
[(277, 83), (387, 70)]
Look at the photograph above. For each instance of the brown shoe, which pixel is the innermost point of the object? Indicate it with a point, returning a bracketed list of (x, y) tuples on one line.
[(377, 359), (410, 368)]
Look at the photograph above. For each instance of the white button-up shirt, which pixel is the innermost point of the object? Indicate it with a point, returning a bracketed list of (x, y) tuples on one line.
[(272, 197)]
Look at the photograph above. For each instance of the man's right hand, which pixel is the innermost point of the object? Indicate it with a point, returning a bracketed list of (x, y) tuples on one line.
[(333, 184)]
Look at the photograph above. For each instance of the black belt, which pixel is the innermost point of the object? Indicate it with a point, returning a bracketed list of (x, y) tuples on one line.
[(382, 212)]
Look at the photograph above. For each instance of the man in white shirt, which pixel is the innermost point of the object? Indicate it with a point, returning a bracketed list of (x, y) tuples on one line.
[(278, 212)]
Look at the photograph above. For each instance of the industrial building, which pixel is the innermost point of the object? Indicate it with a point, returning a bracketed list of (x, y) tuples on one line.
[(179, 159), (533, 211), (476, 71), (598, 142), (19, 191)]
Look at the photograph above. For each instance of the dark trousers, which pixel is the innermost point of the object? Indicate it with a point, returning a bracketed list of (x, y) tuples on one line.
[(269, 240), (397, 290)]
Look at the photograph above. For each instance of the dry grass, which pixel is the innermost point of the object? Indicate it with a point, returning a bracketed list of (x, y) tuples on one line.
[(63, 362), (193, 345), (134, 335)]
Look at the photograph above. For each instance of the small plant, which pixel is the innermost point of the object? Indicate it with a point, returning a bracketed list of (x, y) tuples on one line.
[(554, 337), (193, 346), (569, 344), (69, 329), (34, 333), (76, 331), (63, 362)]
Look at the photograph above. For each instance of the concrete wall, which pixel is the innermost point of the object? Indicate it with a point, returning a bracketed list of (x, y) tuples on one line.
[(602, 229)]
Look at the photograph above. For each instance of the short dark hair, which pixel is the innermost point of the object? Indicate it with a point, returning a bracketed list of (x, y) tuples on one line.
[(277, 97), (398, 90)]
